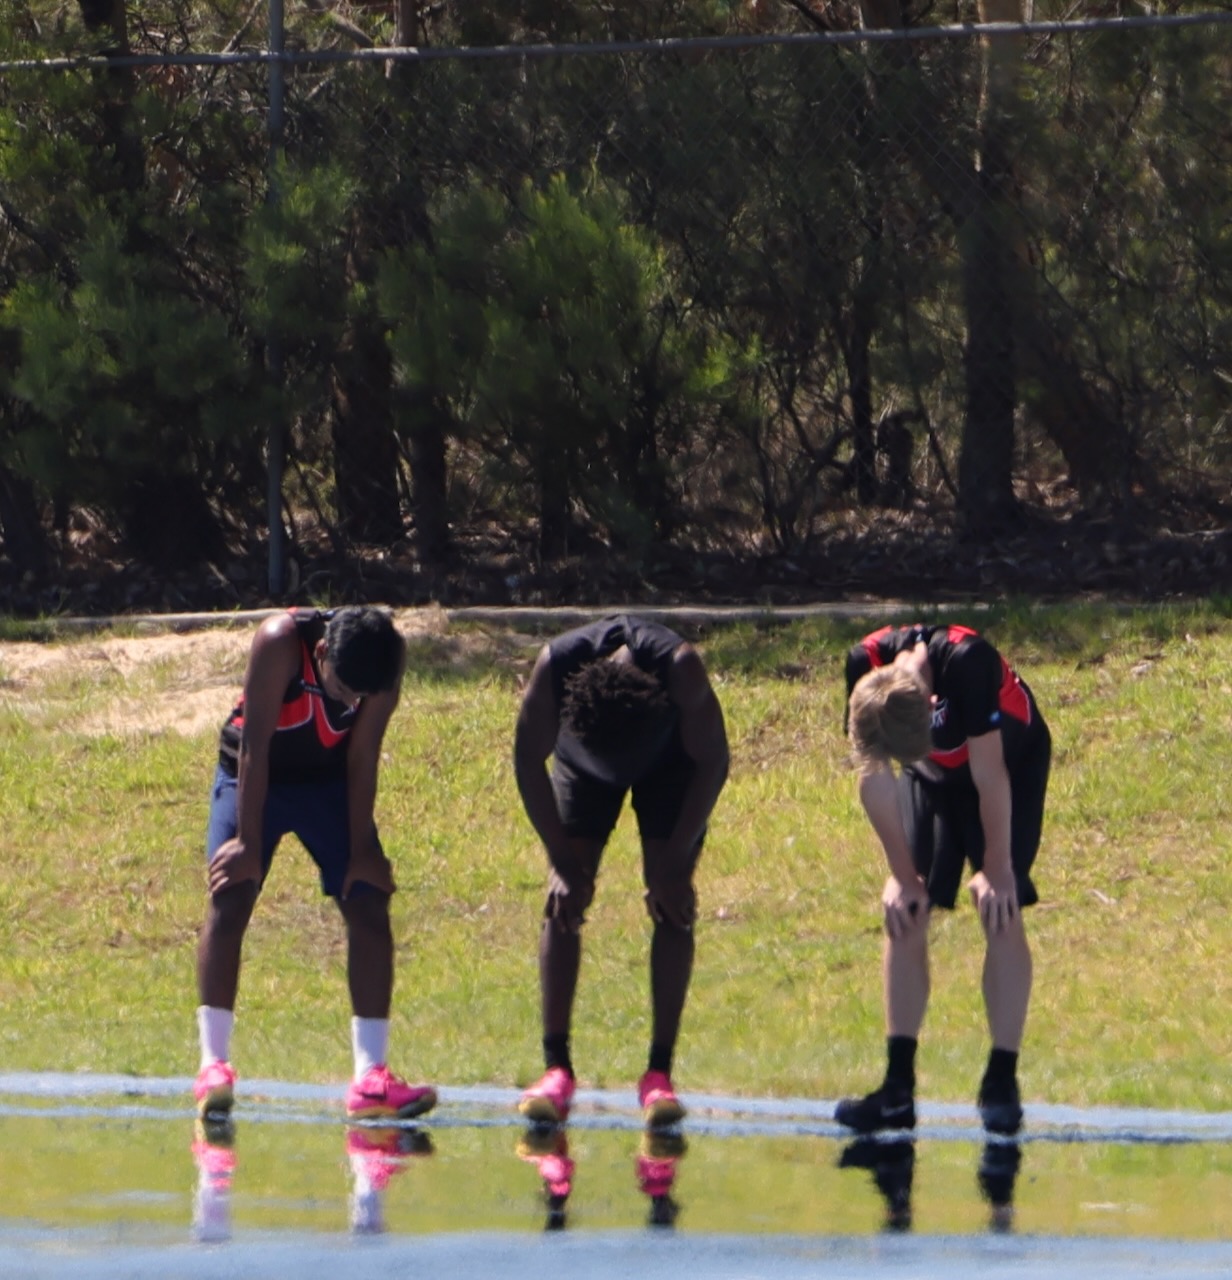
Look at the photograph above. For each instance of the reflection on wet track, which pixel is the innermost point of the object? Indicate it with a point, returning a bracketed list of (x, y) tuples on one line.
[(112, 1176)]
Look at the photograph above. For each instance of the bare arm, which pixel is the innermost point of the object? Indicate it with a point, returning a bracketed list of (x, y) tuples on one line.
[(534, 741), (904, 900), (994, 889), (703, 735), (273, 663), (367, 863)]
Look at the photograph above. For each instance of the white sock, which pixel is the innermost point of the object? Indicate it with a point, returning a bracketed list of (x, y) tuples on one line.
[(214, 1031), (370, 1043)]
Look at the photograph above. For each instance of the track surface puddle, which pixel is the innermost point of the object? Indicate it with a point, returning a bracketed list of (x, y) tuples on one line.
[(105, 1177)]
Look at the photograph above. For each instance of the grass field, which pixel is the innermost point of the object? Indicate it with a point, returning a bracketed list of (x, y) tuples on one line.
[(107, 752)]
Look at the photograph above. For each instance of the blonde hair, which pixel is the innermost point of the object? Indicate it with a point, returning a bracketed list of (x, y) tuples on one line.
[(889, 717)]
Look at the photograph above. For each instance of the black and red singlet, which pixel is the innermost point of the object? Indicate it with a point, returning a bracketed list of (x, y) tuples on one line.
[(651, 646), (975, 691), (310, 742)]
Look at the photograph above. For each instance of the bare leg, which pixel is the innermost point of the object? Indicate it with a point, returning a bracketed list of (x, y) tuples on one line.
[(560, 961), (905, 990), (671, 967), (560, 949), (905, 979), (672, 903), (221, 944), (1008, 973), (370, 953)]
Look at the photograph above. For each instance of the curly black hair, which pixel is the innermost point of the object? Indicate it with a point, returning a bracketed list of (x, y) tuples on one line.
[(609, 705), (364, 648)]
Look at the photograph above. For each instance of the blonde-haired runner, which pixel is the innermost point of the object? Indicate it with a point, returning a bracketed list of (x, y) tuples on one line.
[(973, 756)]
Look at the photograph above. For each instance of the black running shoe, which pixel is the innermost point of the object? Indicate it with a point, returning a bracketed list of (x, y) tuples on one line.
[(998, 1172), (890, 1107), (1000, 1106)]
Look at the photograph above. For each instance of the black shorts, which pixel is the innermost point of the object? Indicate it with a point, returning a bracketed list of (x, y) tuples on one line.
[(589, 808), (942, 822)]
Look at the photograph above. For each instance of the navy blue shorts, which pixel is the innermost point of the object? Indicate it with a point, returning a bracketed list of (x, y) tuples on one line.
[(943, 826), (314, 812)]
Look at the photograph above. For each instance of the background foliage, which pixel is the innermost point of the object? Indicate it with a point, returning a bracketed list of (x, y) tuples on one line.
[(638, 299)]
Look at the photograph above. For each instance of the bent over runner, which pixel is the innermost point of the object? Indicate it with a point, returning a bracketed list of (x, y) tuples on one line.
[(974, 755), (622, 706), (299, 755)]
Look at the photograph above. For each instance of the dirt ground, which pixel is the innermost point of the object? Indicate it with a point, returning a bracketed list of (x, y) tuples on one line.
[(186, 680)]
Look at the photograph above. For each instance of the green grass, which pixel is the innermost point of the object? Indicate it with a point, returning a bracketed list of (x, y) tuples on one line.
[(103, 887)]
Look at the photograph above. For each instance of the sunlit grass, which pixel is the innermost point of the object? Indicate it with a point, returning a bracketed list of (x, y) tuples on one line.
[(103, 887)]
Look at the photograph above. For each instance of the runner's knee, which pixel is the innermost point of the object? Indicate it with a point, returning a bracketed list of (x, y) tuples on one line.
[(367, 913), (231, 908), (679, 897)]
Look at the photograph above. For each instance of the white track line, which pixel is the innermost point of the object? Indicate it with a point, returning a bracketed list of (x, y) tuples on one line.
[(51, 1094)]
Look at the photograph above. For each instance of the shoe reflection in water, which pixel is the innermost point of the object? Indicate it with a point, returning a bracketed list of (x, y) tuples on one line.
[(377, 1155), (998, 1172), (892, 1165), (213, 1151), (548, 1150), (657, 1159)]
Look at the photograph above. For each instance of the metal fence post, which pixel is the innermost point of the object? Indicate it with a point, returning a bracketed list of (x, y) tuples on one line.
[(276, 443)]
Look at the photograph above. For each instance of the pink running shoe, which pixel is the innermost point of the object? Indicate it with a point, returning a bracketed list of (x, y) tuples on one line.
[(214, 1157), (657, 1159), (381, 1093), (555, 1165), (214, 1090), (547, 1101), (658, 1100), (379, 1154), (654, 1176), (213, 1152)]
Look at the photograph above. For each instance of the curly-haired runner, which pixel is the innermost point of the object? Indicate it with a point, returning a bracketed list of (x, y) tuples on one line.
[(622, 706), (974, 753)]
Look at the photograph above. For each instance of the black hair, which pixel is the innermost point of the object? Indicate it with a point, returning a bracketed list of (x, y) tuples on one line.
[(364, 648), (608, 705)]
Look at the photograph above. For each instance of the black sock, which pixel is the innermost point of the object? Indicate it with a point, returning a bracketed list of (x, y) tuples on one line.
[(556, 1052), (1002, 1066), (661, 1058), (900, 1062)]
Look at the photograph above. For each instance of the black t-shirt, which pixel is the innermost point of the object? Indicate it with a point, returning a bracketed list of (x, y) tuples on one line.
[(651, 646), (976, 691), (310, 742)]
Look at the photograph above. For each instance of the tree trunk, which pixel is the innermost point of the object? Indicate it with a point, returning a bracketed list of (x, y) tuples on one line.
[(427, 426), (365, 446), (25, 542), (857, 355), (110, 19), (986, 499), (404, 23), (1007, 320), (167, 521), (552, 481), (1095, 445)]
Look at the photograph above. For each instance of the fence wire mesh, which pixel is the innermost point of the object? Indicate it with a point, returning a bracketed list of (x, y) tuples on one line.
[(698, 291)]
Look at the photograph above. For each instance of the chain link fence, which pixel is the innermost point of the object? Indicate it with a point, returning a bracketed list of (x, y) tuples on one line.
[(716, 293)]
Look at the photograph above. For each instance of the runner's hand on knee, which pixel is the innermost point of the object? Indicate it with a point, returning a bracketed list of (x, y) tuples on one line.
[(233, 864), (672, 900), (371, 868), (569, 894), (904, 906), (995, 899)]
